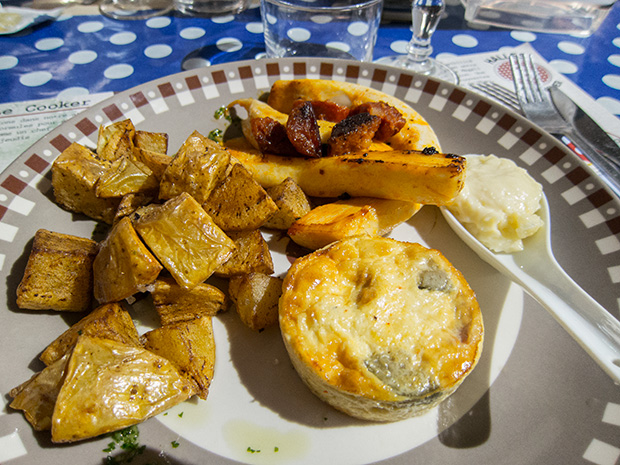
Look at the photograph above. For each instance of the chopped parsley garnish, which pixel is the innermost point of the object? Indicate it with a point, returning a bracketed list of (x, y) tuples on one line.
[(253, 451), (175, 444), (181, 415), (222, 112), (128, 440), (216, 135)]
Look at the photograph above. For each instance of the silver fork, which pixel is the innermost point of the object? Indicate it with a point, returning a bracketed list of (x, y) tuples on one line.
[(538, 107), (499, 93)]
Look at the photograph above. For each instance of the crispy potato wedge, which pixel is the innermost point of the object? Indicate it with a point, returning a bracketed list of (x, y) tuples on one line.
[(129, 204), (252, 254), (331, 222), (156, 162), (175, 304), (239, 203), (124, 265), (110, 385), (126, 176), (292, 203), (199, 166), (398, 175), (190, 346), (37, 396), (416, 135), (116, 140), (184, 238), (109, 321), (390, 213), (255, 296), (74, 175), (59, 273), (151, 141)]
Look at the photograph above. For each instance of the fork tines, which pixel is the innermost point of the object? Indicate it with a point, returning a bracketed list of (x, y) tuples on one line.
[(499, 93), (524, 73)]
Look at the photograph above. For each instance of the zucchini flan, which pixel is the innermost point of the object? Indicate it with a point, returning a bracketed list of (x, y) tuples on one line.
[(380, 329)]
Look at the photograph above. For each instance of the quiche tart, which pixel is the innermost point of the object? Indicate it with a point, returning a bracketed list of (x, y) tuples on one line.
[(380, 329)]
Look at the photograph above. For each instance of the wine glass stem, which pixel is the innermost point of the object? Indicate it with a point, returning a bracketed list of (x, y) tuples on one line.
[(425, 15)]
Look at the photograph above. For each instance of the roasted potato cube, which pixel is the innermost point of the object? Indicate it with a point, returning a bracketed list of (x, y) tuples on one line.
[(152, 141), (184, 238), (199, 165), (74, 175), (116, 140), (157, 162), (252, 254), (126, 176), (124, 265), (239, 203), (59, 273), (331, 222), (110, 385), (130, 203), (109, 321), (37, 396), (292, 204), (390, 213), (174, 303), (189, 345), (256, 297)]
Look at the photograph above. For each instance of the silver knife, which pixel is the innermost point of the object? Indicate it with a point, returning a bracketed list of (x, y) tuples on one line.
[(600, 149)]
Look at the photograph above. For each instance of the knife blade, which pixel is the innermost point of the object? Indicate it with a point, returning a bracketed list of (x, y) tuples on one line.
[(594, 142)]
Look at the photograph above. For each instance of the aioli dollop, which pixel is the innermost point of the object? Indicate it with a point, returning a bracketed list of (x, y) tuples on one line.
[(499, 203)]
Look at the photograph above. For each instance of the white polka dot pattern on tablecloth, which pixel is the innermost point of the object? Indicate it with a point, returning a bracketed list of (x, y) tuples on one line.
[(192, 33), (158, 51), (298, 34), (8, 62), (159, 22), (83, 57), (465, 41), (564, 66), (571, 48), (255, 28), (50, 43), (36, 78), (123, 38), (229, 44), (90, 26), (118, 71)]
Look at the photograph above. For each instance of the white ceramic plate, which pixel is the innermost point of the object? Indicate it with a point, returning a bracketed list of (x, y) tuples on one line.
[(534, 398)]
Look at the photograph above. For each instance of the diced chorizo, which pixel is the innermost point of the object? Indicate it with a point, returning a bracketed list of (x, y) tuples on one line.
[(392, 120), (354, 133), (271, 136), (302, 130), (329, 111)]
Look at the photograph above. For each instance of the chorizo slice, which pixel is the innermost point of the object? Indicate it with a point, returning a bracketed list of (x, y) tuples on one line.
[(302, 130), (271, 136), (392, 121), (329, 111), (352, 134)]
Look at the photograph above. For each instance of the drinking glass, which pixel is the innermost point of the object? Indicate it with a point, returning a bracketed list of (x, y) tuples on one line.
[(309, 28), (425, 15), (134, 9)]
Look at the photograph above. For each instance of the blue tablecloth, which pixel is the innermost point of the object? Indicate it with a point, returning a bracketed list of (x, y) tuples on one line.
[(88, 54)]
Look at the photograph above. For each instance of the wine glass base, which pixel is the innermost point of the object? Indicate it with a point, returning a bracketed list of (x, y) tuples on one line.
[(134, 9), (429, 67)]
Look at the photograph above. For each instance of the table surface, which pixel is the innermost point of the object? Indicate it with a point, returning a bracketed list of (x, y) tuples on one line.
[(83, 54)]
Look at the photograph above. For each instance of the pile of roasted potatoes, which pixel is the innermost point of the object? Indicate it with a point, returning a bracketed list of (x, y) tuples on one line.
[(177, 221)]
